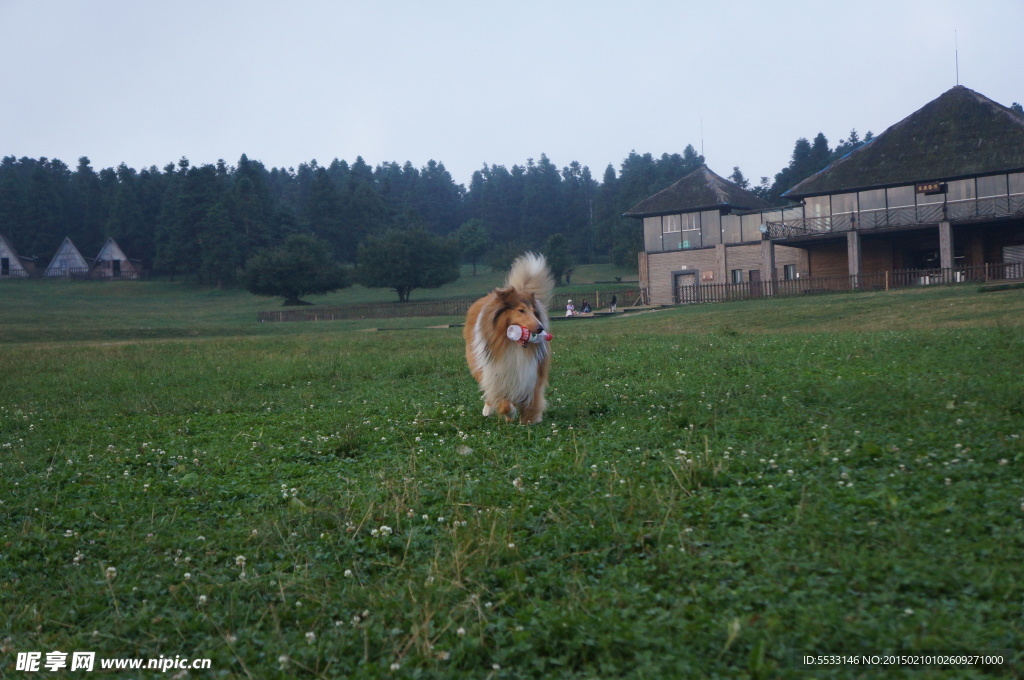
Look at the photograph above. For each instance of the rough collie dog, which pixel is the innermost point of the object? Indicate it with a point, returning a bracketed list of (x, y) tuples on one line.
[(512, 376)]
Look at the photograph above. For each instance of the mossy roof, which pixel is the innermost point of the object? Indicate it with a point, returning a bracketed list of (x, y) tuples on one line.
[(960, 134), (700, 190)]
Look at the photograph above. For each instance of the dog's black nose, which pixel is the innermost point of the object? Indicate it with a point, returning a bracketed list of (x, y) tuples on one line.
[(540, 329)]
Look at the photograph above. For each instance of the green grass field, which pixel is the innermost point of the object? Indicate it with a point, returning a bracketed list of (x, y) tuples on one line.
[(714, 492)]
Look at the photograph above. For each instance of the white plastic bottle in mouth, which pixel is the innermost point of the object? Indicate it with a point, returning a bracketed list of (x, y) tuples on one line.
[(524, 336)]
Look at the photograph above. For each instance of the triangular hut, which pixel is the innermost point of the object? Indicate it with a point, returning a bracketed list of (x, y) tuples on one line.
[(67, 262), (112, 263), (12, 266)]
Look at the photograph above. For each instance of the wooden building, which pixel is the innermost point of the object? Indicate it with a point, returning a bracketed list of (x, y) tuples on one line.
[(67, 262), (112, 263), (11, 265), (705, 230), (940, 191)]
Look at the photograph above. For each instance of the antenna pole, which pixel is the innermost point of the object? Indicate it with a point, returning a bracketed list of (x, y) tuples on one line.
[(956, 53)]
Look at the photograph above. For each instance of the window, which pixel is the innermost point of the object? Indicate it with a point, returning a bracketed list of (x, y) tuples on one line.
[(1017, 183), (736, 276), (900, 197), (792, 214), (992, 186), (960, 190), (652, 234), (872, 200), (844, 203), (817, 206), (671, 223), (710, 228), (789, 272), (751, 225), (689, 236), (731, 229)]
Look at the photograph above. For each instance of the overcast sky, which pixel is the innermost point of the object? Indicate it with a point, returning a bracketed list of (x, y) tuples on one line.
[(146, 82)]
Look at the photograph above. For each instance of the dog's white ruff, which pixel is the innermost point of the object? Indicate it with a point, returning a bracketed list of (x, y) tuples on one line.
[(512, 377)]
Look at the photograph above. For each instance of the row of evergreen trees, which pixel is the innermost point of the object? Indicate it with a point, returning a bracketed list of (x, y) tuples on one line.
[(207, 221)]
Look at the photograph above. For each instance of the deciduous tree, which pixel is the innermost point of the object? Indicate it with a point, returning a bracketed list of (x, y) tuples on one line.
[(405, 260), (302, 266)]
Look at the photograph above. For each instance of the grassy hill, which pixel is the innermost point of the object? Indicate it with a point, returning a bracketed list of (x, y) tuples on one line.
[(715, 491)]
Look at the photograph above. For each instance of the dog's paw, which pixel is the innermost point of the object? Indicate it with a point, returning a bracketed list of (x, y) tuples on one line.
[(488, 410)]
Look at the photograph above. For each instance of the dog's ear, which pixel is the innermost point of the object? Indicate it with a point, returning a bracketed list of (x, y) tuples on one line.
[(504, 294)]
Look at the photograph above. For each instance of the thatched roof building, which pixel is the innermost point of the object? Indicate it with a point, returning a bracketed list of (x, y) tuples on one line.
[(700, 190), (960, 134)]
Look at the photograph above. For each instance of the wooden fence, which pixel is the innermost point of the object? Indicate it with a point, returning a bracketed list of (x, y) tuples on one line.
[(454, 307), (725, 292)]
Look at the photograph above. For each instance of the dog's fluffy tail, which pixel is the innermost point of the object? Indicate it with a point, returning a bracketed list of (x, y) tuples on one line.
[(530, 274)]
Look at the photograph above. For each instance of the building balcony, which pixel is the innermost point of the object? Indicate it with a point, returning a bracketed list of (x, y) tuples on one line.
[(967, 210)]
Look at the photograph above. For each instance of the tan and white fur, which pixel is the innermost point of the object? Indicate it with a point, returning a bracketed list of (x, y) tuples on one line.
[(512, 377)]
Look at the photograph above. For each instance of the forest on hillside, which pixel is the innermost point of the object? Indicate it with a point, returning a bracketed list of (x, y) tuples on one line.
[(206, 221)]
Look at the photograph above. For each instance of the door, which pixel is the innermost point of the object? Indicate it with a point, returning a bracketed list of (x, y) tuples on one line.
[(755, 283), (685, 288)]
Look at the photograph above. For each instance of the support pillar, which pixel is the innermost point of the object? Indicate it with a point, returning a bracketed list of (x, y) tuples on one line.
[(643, 261), (946, 250), (721, 264), (768, 277), (853, 258)]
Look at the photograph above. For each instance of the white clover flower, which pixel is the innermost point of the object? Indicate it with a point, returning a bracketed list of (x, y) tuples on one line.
[(202, 600), (311, 638), (395, 666), (348, 573), (188, 576), (111, 573), (240, 561)]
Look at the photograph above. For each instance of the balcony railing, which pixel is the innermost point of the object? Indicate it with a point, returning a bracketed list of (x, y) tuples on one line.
[(890, 280), (952, 211)]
